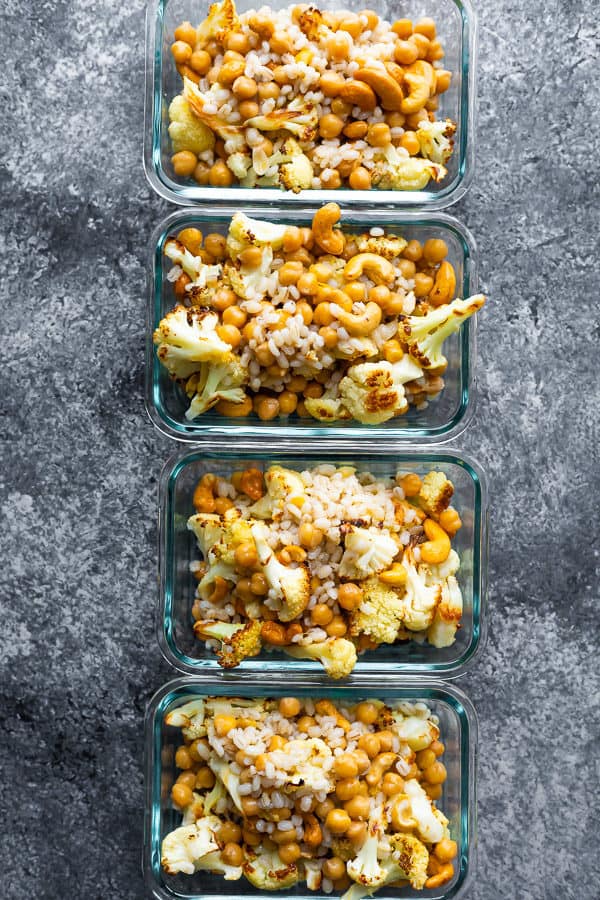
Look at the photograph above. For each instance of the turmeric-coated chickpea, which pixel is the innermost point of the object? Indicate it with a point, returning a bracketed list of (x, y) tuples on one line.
[(345, 766), (308, 284), (413, 251), (386, 740), (421, 43), (251, 257), (304, 723), (184, 163), (186, 32), (330, 336), (352, 24), (341, 107), (181, 51), (290, 273), (292, 239), (220, 175), (290, 852), (183, 759), (442, 80), (370, 744), (425, 758), (403, 28), (379, 135), (323, 315), (244, 88), (392, 351), (433, 791), (338, 821), (268, 90), (350, 596), (425, 26), (410, 142), (313, 390), (323, 808), (280, 43), (338, 46), (331, 180), (232, 854), (297, 383), (405, 52), (250, 806), (445, 850), (367, 712), (423, 284), (372, 18), (267, 409), (356, 130), (238, 42), (201, 173), (212, 75), (231, 70), (437, 747), (245, 555), (392, 784), (191, 238), (223, 298), (360, 179), (435, 250), (230, 334), (331, 83), (334, 868), (248, 109), (347, 788), (321, 614), (181, 284), (380, 294), (357, 834), (413, 120), (259, 584), (223, 724), (358, 807), (252, 838), (435, 773), (233, 315), (288, 401), (227, 408), (309, 536), (229, 832), (181, 795), (222, 504), (205, 777), (330, 126), (337, 627), (289, 707)]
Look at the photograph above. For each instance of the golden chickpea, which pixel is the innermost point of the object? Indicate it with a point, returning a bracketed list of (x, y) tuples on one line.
[(251, 257), (220, 175), (407, 268), (386, 740), (338, 821), (331, 83), (290, 852), (360, 179), (259, 584), (437, 747), (232, 854), (442, 80), (356, 130), (183, 759), (267, 409), (201, 173), (231, 70), (230, 334), (338, 46), (323, 315), (403, 28), (186, 32), (245, 555), (184, 163), (367, 712), (233, 315), (405, 53), (392, 351), (425, 26), (347, 788), (290, 273), (334, 868), (181, 795), (301, 411), (222, 504), (252, 838), (413, 251), (345, 766), (337, 627), (223, 724), (414, 119), (433, 791), (268, 91), (223, 298), (297, 383), (229, 832), (313, 390), (324, 808), (308, 284), (213, 74), (288, 401), (358, 807), (304, 723), (379, 135), (309, 536), (191, 238), (238, 42), (340, 107), (435, 773), (435, 250), (421, 43), (188, 778), (425, 758), (445, 850), (410, 142), (331, 181), (423, 284), (357, 834), (380, 294), (244, 88), (181, 51), (350, 596), (392, 784), (289, 707), (330, 126), (321, 614), (372, 18), (369, 743), (352, 25)]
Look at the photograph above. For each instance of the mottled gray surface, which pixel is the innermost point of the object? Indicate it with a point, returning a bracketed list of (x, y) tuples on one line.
[(81, 461)]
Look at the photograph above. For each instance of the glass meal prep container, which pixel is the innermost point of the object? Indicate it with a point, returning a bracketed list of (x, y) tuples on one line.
[(456, 24), (445, 416), (178, 547), (458, 731)]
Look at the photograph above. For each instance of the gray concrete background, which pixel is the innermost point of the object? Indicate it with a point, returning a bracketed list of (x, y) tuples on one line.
[(81, 461)]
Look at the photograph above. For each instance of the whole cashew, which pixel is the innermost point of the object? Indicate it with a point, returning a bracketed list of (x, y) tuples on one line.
[(358, 324), (358, 93), (424, 70), (385, 86), (379, 268), (322, 228), (444, 875), (444, 285), (421, 79), (437, 548)]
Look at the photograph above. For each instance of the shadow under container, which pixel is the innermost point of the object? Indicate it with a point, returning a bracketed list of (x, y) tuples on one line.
[(178, 547), (458, 731), (444, 417), (456, 25)]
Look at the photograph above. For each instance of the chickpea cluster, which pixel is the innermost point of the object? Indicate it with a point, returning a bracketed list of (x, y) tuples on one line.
[(334, 829), (335, 618), (379, 111), (305, 266)]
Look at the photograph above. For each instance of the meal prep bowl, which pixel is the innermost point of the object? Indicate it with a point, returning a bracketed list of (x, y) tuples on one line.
[(457, 29), (444, 418), (458, 727), (177, 548)]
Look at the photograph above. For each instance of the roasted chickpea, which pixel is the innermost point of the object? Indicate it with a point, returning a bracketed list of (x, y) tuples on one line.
[(357, 834), (350, 596), (340, 107), (201, 173), (309, 536), (267, 408), (369, 743), (358, 807), (445, 850), (186, 32), (330, 126), (334, 868), (338, 821), (392, 784), (251, 257), (356, 130), (410, 142), (380, 294), (413, 251), (360, 179), (347, 788), (403, 28), (345, 766), (338, 46), (421, 43), (244, 88), (290, 273), (181, 795), (425, 26), (442, 80), (182, 52), (435, 250), (433, 791), (379, 135), (223, 298), (183, 759), (238, 42), (229, 832), (223, 724), (220, 175), (337, 627), (290, 852), (230, 334), (331, 83), (405, 52), (184, 163), (231, 70), (268, 91), (331, 180), (288, 401), (435, 773), (304, 723), (423, 284)]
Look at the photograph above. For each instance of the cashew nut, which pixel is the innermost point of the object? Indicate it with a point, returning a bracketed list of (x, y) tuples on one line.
[(424, 70), (327, 294), (358, 324), (444, 285), (358, 93), (444, 875), (421, 79), (396, 71), (380, 269), (322, 228), (396, 576), (380, 764), (385, 86), (437, 548)]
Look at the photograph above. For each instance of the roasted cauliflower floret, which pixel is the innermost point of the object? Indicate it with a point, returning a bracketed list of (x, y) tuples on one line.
[(183, 849), (423, 336), (299, 117), (297, 174), (190, 718), (282, 485), (448, 613), (289, 586), (214, 382), (395, 172), (390, 246), (435, 139), (246, 232), (410, 857), (420, 598), (366, 552), (414, 809), (186, 338), (327, 409), (435, 493), (267, 872), (337, 655), (381, 612), (239, 641), (374, 392), (186, 130), (222, 19)]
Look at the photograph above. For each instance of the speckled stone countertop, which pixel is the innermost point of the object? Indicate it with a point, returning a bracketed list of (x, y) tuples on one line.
[(79, 658)]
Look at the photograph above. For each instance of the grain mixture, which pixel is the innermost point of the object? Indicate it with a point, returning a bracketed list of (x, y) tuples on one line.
[(340, 796), (303, 99), (324, 563)]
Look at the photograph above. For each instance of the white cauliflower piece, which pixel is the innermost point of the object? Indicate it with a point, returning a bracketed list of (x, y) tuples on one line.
[(374, 392), (366, 552), (183, 848), (395, 172), (186, 338), (435, 139), (186, 130), (290, 586), (420, 598)]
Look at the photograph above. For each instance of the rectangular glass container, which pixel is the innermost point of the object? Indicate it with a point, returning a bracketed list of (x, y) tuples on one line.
[(444, 418), (458, 731), (457, 28), (177, 548)]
